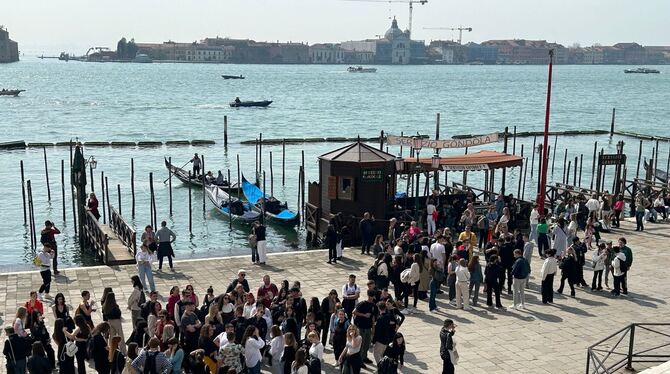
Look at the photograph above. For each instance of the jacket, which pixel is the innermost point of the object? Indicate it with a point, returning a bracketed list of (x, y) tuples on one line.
[(569, 267), (520, 269), (599, 261), (550, 266), (476, 276), (616, 264), (415, 273), (446, 344), (492, 273)]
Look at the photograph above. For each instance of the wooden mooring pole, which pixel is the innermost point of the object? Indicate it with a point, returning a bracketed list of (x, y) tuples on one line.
[(46, 173), (612, 125), (151, 200), (504, 170), (203, 186), (593, 164), (23, 193), (581, 163), (271, 177), (62, 185), (565, 160), (574, 178), (102, 195), (260, 155), (532, 157), (525, 172), (283, 162), (230, 220), (118, 196), (514, 143), (639, 158), (31, 216), (553, 158), (109, 203), (170, 177), (225, 133), (132, 187), (190, 207), (239, 178)]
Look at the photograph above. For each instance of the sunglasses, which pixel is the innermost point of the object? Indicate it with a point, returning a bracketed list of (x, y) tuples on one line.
[(244, 275)]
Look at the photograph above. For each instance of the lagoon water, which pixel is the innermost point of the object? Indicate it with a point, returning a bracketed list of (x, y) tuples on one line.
[(134, 102)]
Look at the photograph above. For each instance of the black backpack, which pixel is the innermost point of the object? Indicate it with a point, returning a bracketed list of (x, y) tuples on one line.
[(372, 272), (142, 300), (150, 363)]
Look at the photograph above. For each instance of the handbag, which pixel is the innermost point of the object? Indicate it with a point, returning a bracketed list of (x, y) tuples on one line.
[(37, 261), (453, 355), (70, 349), (252, 240)]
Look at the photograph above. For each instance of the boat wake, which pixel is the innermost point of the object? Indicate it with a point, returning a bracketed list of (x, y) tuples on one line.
[(212, 106)]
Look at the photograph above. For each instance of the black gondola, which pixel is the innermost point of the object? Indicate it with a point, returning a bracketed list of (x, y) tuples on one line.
[(14, 93), (239, 104), (182, 175), (232, 77)]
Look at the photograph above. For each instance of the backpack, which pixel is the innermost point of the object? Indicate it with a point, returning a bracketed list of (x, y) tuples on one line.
[(623, 266), (406, 276), (372, 272), (44, 238), (142, 300), (150, 363)]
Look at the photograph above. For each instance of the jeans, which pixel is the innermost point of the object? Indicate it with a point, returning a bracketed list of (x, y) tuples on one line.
[(617, 218), (597, 275), (145, 272), (519, 286), (430, 222), (254, 253), (256, 369), (542, 244), (46, 280), (366, 334), (639, 221), (483, 238), (474, 291), (261, 248), (533, 232), (434, 285)]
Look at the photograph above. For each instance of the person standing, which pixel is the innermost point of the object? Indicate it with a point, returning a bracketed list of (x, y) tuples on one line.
[(618, 210), (528, 254), (331, 242), (16, 350), (384, 331), (92, 205), (253, 344), (144, 260), (196, 165), (366, 227), (580, 255), (507, 261), (542, 237), (149, 238), (629, 262), (492, 276), (45, 258), (534, 221), (431, 215), (111, 313), (619, 270), (350, 294), (152, 359), (462, 285), (135, 299), (165, 238), (599, 258), (641, 204), (437, 277), (350, 356), (48, 236), (261, 242), (548, 272), (568, 271), (365, 316), (448, 352), (476, 278), (520, 272)]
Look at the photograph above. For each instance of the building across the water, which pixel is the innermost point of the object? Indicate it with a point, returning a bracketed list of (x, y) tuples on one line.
[(396, 47), (9, 49)]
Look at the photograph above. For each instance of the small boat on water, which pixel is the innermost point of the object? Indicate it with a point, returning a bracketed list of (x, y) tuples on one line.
[(641, 71), (274, 209), (183, 176), (360, 69), (233, 76), (658, 174), (231, 207), (244, 104), (5, 92)]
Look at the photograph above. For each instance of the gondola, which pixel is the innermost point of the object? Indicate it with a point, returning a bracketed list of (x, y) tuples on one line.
[(231, 207), (232, 77), (14, 93), (274, 210), (245, 104), (182, 175), (658, 174)]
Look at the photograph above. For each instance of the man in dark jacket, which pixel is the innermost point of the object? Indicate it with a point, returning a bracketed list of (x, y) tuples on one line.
[(16, 349), (492, 276), (520, 272), (367, 233), (385, 329), (447, 346), (507, 260), (241, 279), (331, 242), (580, 256)]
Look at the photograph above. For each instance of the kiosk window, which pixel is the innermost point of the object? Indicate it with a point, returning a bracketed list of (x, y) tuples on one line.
[(346, 188)]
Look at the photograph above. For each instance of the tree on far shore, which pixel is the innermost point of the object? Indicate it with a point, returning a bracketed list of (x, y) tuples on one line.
[(126, 50)]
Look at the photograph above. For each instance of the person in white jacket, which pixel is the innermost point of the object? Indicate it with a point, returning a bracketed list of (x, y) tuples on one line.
[(462, 283), (548, 272), (412, 284), (618, 273), (276, 350), (599, 258)]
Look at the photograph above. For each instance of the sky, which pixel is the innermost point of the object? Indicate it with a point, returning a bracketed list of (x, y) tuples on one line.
[(51, 26)]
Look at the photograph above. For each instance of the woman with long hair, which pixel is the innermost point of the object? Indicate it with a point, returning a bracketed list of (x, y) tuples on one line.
[(92, 205), (106, 291), (339, 333), (62, 310), (351, 357), (193, 297), (424, 270), (315, 309), (396, 354), (116, 358), (299, 364), (290, 347), (437, 277), (378, 246), (175, 354), (20, 322), (252, 349), (65, 362), (100, 334), (38, 362), (85, 308), (80, 336), (476, 278), (205, 342), (276, 350), (168, 333), (135, 298), (39, 333), (139, 334), (112, 314), (328, 308), (130, 357)]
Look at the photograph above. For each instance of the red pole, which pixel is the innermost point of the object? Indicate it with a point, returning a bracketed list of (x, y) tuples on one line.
[(543, 176)]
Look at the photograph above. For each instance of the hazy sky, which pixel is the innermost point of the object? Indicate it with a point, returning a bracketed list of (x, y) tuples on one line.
[(74, 25)]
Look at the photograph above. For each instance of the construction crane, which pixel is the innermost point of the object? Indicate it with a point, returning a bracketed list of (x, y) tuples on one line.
[(410, 2), (460, 30)]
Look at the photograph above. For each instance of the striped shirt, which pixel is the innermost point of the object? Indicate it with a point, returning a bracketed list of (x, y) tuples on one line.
[(163, 364)]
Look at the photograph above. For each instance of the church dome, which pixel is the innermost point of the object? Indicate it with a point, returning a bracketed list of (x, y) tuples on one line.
[(394, 32)]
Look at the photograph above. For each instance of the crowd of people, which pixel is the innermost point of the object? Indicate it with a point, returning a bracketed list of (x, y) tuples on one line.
[(245, 328)]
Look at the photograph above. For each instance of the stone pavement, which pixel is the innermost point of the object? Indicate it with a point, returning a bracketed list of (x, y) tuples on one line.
[(541, 339)]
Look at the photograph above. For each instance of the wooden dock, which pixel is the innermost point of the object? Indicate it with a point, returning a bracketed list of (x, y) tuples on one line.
[(114, 243), (118, 252)]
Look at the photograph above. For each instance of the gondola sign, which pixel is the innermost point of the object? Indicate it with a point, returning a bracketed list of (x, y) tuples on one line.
[(418, 143), (372, 175), (612, 159)]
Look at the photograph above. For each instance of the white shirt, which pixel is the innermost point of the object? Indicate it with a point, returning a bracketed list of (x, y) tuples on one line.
[(592, 205), (348, 290), (550, 266), (252, 351), (599, 261), (616, 264), (46, 260), (397, 250), (437, 252), (534, 217), (316, 350), (462, 274), (277, 347), (223, 339), (143, 257), (383, 269), (430, 208)]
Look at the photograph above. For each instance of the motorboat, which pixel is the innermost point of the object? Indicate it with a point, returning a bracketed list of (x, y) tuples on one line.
[(360, 69), (5, 92), (641, 71)]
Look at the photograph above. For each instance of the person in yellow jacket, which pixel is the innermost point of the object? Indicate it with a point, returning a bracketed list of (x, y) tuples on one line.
[(468, 236)]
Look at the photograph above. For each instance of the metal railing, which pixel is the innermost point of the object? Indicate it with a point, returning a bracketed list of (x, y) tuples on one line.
[(619, 350), (95, 237)]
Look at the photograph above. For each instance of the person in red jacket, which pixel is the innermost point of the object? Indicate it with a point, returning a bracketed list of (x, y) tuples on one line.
[(48, 236)]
